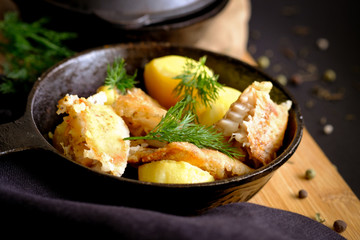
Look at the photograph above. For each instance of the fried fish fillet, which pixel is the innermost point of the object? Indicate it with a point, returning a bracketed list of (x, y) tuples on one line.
[(140, 112), (219, 165), (92, 134), (256, 123)]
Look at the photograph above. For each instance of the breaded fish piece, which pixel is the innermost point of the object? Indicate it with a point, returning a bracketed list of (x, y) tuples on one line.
[(92, 134), (219, 165), (256, 123), (140, 112)]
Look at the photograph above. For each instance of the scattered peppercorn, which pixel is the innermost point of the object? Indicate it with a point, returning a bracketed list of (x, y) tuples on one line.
[(328, 129), (263, 61), (311, 68), (296, 79), (323, 120), (252, 48), (301, 30), (326, 94), (276, 68), (329, 75), (310, 174), (289, 53), (282, 79), (322, 44), (303, 193), (339, 226), (289, 11), (350, 117), (309, 104)]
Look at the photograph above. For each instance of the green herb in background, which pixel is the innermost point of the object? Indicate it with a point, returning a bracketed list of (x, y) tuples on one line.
[(117, 76), (29, 49)]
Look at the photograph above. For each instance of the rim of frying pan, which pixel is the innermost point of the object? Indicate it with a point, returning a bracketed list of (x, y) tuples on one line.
[(258, 173)]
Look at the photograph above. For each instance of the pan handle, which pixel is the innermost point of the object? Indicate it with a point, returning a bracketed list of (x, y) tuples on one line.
[(20, 135)]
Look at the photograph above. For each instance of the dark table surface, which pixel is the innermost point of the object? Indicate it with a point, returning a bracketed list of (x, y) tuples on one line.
[(287, 34)]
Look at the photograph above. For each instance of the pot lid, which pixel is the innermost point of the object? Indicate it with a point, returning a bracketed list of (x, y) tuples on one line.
[(135, 14)]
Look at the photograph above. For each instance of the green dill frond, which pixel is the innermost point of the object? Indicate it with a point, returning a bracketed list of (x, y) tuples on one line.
[(198, 83), (118, 77), (178, 126)]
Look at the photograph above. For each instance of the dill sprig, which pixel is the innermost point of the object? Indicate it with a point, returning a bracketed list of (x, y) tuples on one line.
[(198, 83), (178, 126), (29, 49), (118, 77), (319, 218)]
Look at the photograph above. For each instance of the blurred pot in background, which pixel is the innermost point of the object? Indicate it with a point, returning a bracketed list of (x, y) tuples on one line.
[(100, 22)]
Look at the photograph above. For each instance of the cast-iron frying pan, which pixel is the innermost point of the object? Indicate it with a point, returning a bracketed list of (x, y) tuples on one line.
[(85, 72)]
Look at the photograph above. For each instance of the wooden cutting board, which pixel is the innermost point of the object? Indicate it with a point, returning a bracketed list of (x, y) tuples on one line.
[(328, 193)]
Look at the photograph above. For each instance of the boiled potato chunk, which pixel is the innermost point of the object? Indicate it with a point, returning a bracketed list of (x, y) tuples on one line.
[(159, 80), (216, 111), (159, 77), (111, 94), (170, 171)]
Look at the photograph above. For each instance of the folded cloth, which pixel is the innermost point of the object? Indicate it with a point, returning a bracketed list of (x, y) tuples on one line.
[(42, 197)]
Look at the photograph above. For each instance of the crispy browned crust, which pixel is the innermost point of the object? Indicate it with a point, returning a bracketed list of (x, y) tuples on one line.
[(216, 163), (266, 130), (92, 134), (256, 124), (140, 112)]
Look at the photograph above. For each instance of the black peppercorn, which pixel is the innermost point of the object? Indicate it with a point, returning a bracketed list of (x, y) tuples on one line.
[(303, 193), (339, 226)]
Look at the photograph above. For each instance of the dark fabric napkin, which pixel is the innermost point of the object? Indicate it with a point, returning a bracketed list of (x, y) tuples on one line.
[(42, 196)]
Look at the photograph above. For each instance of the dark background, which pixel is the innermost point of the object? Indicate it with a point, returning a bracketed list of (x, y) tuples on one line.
[(286, 32)]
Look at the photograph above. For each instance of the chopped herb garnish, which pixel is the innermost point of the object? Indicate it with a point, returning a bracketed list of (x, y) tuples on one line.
[(318, 218), (198, 83), (178, 126), (118, 77)]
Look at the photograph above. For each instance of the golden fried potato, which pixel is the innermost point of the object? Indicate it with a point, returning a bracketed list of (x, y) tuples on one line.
[(140, 112), (92, 134), (219, 165), (170, 171)]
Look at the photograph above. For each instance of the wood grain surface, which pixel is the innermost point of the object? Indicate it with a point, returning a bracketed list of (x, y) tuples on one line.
[(328, 193)]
